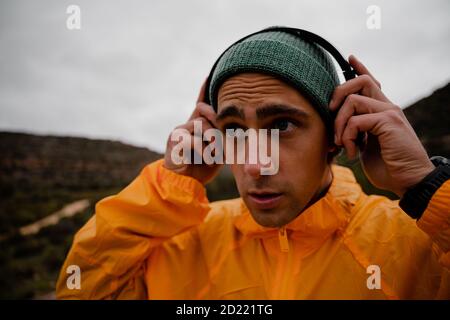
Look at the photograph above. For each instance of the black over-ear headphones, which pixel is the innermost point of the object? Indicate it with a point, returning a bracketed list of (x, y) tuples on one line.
[(347, 70)]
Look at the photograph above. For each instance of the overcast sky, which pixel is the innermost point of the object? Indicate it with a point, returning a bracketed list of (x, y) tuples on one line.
[(133, 70)]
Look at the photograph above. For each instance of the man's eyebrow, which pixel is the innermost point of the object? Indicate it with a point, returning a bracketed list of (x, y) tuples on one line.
[(278, 109), (231, 111)]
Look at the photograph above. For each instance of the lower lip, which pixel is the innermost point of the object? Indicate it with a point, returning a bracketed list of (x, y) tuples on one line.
[(265, 203)]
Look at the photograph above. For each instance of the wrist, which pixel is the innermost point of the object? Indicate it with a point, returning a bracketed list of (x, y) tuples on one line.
[(415, 200), (419, 176)]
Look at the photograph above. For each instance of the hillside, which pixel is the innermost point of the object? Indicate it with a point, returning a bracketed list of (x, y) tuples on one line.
[(430, 118), (41, 177), (48, 171)]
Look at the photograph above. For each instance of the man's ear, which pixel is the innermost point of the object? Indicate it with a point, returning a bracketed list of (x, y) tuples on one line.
[(333, 151)]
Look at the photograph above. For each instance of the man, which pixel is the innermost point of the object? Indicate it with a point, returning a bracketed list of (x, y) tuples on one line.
[(307, 232)]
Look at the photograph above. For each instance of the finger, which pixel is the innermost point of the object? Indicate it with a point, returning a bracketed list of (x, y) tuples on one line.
[(356, 125), (200, 100), (361, 69), (180, 136), (201, 95), (354, 105), (197, 146), (199, 123), (198, 142), (350, 148), (193, 145), (189, 126), (191, 136), (370, 123), (363, 84), (206, 111)]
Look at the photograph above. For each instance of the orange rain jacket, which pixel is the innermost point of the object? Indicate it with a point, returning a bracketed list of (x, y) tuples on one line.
[(160, 238)]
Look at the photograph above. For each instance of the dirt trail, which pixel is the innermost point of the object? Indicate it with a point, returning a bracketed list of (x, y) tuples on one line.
[(69, 210)]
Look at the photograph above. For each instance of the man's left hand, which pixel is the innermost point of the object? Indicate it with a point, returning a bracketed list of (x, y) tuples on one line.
[(391, 154)]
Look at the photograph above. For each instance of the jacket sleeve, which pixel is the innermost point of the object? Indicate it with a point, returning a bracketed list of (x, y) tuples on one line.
[(111, 249), (435, 221)]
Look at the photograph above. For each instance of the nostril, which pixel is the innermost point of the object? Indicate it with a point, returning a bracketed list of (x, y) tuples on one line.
[(253, 170)]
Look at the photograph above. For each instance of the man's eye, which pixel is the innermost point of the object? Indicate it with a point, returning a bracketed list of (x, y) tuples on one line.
[(282, 125)]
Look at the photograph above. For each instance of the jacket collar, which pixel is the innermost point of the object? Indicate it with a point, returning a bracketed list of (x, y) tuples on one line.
[(321, 219)]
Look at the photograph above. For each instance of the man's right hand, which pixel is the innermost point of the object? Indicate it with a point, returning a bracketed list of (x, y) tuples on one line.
[(201, 172)]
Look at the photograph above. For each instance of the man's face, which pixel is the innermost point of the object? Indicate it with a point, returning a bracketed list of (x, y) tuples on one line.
[(252, 100)]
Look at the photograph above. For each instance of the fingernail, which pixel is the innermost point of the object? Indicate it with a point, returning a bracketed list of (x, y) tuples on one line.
[(335, 139)]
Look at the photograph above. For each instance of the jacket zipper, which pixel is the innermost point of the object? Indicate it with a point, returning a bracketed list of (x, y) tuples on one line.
[(284, 241), (284, 263)]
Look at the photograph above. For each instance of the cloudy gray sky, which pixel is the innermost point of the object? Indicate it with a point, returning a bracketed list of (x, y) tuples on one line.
[(133, 70)]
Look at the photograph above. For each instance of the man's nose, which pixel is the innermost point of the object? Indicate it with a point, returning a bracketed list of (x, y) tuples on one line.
[(253, 169), (253, 163)]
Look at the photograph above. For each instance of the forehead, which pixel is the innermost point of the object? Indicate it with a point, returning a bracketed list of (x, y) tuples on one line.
[(255, 89)]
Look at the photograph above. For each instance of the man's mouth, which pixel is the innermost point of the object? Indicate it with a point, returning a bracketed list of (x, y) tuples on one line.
[(264, 199)]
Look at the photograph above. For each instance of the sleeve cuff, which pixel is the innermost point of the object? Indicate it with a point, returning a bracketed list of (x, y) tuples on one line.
[(435, 220), (175, 187), (416, 200)]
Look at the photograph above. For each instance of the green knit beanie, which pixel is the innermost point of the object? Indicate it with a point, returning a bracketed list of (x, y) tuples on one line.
[(303, 65)]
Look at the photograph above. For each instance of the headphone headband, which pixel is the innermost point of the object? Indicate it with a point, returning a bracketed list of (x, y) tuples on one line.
[(347, 70)]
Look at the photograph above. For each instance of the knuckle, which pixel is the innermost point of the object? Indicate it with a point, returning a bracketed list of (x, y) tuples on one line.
[(378, 83), (366, 78), (201, 107), (346, 139), (205, 124), (397, 109), (400, 112), (394, 115), (179, 127), (352, 98)]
